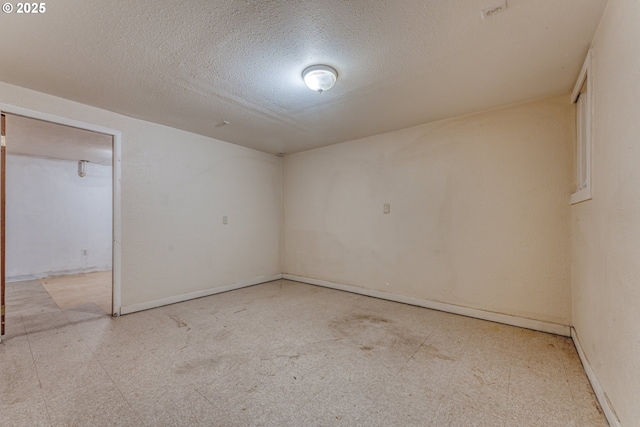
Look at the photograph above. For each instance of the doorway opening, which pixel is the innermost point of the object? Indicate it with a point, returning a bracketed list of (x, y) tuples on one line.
[(62, 223)]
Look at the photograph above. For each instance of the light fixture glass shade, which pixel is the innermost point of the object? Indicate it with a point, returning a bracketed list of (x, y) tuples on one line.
[(320, 77)]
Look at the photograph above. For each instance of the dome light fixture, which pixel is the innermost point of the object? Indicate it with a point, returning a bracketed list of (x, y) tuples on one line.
[(320, 77)]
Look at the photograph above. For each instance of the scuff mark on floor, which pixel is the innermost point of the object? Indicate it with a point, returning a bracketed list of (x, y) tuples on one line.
[(181, 323), (435, 353), (370, 318)]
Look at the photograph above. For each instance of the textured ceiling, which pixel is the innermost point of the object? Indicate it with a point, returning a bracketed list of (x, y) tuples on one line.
[(192, 65), (30, 137)]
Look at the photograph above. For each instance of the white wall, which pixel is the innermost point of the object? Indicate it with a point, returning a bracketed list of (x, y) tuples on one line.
[(53, 215), (176, 186), (479, 211), (606, 229)]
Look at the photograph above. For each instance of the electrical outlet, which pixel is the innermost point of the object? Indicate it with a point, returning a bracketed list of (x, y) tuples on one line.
[(225, 221), (387, 208)]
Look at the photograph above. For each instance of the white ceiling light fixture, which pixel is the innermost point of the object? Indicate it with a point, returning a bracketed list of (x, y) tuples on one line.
[(320, 77)]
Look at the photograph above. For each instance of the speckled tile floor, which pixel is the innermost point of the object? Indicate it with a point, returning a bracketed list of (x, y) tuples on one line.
[(282, 354)]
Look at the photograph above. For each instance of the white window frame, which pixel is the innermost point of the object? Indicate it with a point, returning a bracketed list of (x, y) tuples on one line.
[(584, 116)]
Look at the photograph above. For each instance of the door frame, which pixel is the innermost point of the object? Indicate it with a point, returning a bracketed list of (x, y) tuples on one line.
[(117, 188)]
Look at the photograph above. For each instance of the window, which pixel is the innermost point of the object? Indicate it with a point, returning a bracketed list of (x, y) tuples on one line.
[(581, 96)]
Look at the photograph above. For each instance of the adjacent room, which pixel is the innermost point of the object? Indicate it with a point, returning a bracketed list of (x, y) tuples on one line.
[(320, 213), (59, 212)]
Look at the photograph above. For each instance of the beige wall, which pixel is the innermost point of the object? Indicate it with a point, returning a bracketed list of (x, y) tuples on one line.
[(176, 186), (479, 211), (606, 230)]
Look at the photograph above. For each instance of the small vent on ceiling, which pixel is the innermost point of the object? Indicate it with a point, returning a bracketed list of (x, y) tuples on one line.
[(490, 11)]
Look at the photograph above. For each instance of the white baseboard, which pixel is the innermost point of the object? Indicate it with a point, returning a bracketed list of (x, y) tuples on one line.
[(537, 325), (198, 294), (38, 276), (603, 400)]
